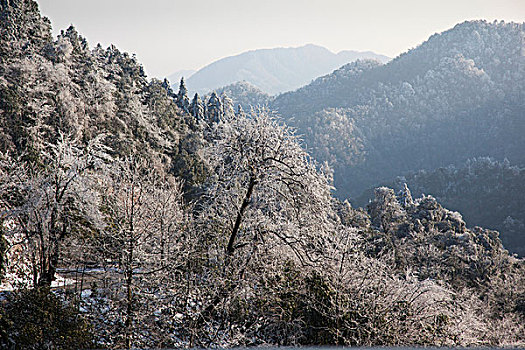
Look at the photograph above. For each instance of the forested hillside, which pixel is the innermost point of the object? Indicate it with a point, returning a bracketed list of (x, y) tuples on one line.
[(457, 96), (134, 216), (50, 89), (245, 94), (486, 192)]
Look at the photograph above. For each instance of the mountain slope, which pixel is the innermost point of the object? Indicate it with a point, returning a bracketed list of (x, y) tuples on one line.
[(245, 94), (53, 89), (487, 193), (457, 96), (174, 78), (274, 70)]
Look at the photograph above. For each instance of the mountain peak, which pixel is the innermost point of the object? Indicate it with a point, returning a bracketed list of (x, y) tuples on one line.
[(274, 70)]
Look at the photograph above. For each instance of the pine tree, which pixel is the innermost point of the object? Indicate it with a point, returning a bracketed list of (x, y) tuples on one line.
[(23, 31), (405, 197), (196, 108), (182, 97), (227, 106), (240, 111), (167, 87), (214, 109)]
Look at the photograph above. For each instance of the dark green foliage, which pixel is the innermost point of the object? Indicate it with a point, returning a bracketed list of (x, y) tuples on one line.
[(38, 319), (22, 29), (182, 99), (289, 308), (189, 167)]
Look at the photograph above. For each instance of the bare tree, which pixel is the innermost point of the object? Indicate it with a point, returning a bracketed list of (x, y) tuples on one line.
[(370, 304), (49, 200), (142, 244)]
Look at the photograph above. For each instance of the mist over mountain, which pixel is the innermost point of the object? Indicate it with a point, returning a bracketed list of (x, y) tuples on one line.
[(175, 77), (486, 192), (459, 95), (136, 216), (274, 70), (246, 95)]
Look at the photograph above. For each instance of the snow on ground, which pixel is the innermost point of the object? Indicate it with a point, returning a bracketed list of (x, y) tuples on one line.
[(9, 284)]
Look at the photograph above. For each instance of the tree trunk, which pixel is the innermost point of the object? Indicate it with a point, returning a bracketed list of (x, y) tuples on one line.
[(129, 271), (230, 249)]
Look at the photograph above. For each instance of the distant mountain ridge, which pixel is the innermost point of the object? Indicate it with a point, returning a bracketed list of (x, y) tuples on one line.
[(459, 95), (274, 70), (174, 78)]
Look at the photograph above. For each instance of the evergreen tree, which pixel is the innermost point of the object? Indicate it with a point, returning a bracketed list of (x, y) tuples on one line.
[(405, 197), (182, 97), (196, 108), (227, 105), (214, 109), (240, 111), (167, 87), (23, 30)]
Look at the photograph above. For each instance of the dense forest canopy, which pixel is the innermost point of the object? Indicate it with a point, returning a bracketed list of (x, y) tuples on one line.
[(454, 98), (459, 95), (136, 216), (486, 192)]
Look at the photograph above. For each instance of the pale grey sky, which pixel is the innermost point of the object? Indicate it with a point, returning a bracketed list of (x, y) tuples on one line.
[(171, 35)]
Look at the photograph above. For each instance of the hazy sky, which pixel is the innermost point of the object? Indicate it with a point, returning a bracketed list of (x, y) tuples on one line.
[(171, 35)]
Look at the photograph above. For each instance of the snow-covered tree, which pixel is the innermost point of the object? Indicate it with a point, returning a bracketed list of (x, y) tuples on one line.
[(405, 197), (385, 211), (48, 202), (264, 185), (266, 201), (214, 109), (141, 245), (240, 111), (197, 108), (166, 86), (227, 106), (182, 97)]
